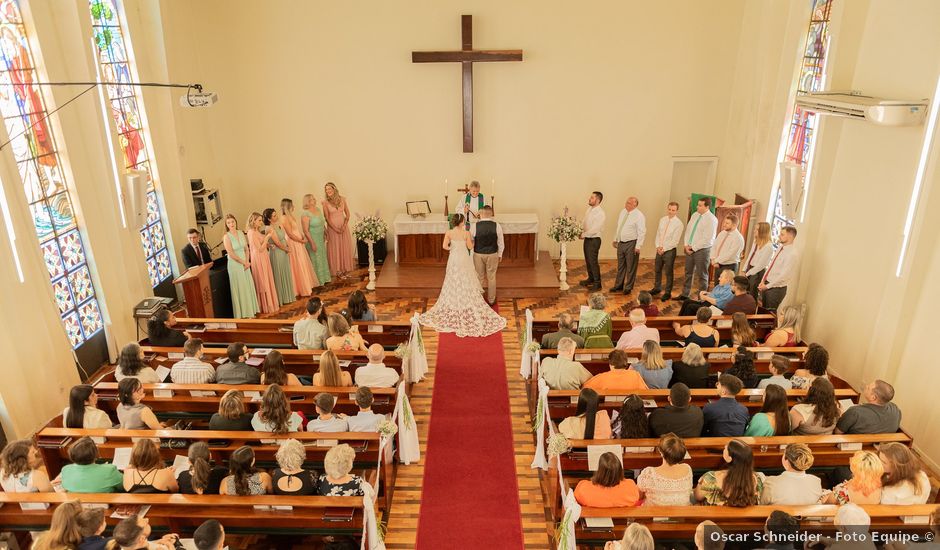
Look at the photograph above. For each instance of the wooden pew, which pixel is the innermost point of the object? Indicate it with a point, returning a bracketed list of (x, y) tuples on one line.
[(182, 514), (763, 324), (279, 332)]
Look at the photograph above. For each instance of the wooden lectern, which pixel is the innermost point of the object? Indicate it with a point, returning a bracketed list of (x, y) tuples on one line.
[(196, 291)]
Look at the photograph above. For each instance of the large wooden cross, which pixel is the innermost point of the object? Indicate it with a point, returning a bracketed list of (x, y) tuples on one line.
[(466, 56)]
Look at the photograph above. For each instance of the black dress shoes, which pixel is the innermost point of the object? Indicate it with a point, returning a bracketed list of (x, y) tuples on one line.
[(586, 282), (681, 298), (616, 289), (665, 297), (654, 291), (594, 288)]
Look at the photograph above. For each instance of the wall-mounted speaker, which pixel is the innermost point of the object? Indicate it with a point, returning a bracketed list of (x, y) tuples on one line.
[(135, 198)]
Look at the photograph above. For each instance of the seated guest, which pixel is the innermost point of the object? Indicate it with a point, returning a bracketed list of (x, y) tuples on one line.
[(236, 371), (620, 377), (638, 332), (700, 331), (669, 484), (721, 294), (84, 475), (588, 422), (779, 365), (326, 421), (793, 487), (742, 334), (865, 485), (680, 417), (132, 534), (787, 333), (91, 526), (243, 479), (359, 308), (365, 420), (645, 301), (773, 418), (146, 472), (192, 370), (743, 367), (692, 370), (131, 365), (563, 372), (22, 470), (375, 374), (209, 536), (781, 526), (878, 416), (341, 337), (815, 365), (131, 413), (709, 536), (819, 411), (337, 481), (736, 486), (742, 301), (656, 371), (726, 417), (630, 422), (565, 330), (607, 488), (273, 371), (63, 533), (231, 416), (311, 332), (201, 478), (853, 524), (329, 374), (83, 411), (290, 478), (904, 481), (160, 331), (274, 414), (595, 321), (635, 537)]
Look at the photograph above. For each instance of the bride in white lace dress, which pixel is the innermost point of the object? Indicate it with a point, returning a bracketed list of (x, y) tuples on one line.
[(461, 308)]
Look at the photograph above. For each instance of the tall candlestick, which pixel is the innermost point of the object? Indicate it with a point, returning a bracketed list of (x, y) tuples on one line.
[(493, 185)]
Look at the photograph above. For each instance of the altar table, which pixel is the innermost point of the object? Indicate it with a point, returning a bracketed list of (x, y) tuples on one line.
[(419, 241)]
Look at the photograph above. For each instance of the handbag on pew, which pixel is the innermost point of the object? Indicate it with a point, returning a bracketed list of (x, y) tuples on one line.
[(173, 443)]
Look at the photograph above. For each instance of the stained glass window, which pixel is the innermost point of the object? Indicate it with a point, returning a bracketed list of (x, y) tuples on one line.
[(23, 108), (116, 70), (801, 135)]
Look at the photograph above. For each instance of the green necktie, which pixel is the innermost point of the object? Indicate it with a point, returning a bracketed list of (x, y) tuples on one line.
[(694, 227)]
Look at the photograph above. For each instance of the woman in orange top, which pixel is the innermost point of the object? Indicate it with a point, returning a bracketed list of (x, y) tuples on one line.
[(608, 488)]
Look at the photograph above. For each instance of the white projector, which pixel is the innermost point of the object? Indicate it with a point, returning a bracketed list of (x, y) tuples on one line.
[(199, 99)]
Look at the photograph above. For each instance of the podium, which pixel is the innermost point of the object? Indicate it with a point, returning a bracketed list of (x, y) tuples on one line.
[(197, 291)]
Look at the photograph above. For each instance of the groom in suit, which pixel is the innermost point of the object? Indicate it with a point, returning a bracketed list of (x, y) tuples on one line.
[(487, 250), (196, 252)]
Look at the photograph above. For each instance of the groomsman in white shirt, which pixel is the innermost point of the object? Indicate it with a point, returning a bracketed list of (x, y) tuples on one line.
[(668, 235), (631, 231), (591, 235), (780, 272), (698, 241), (728, 246)]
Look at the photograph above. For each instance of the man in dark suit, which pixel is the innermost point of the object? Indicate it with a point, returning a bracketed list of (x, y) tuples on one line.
[(196, 252)]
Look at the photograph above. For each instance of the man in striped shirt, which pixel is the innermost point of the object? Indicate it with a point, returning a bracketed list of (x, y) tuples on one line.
[(191, 370)]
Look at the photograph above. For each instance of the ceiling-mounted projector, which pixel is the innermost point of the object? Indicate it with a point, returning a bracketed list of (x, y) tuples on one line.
[(199, 98)]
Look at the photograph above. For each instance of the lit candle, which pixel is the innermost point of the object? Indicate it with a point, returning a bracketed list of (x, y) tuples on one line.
[(445, 187), (493, 185)]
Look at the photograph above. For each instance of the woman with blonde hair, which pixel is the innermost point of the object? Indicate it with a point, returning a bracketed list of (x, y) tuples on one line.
[(692, 370), (22, 470), (904, 480), (337, 481), (305, 280), (146, 473), (656, 371), (262, 271), (338, 237), (329, 374), (787, 333), (290, 478), (241, 284), (742, 334), (341, 337), (64, 532), (635, 537), (279, 253), (865, 485), (231, 416), (313, 224), (762, 251)]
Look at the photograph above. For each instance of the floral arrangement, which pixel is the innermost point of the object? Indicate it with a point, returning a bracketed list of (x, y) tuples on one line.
[(564, 229), (558, 444), (387, 428), (370, 228), (533, 347), (403, 351)]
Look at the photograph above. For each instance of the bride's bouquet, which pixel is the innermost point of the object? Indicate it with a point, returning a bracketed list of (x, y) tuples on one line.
[(564, 229), (370, 228)]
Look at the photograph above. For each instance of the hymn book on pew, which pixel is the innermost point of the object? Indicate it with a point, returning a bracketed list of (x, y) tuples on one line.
[(125, 511), (594, 453)]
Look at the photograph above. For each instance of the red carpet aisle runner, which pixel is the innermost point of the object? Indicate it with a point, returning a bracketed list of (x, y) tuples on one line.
[(470, 497)]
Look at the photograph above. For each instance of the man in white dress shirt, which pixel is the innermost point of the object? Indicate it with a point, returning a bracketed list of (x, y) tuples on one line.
[(631, 231), (698, 241), (365, 420), (728, 246), (668, 235), (375, 374), (593, 225), (470, 204), (781, 271)]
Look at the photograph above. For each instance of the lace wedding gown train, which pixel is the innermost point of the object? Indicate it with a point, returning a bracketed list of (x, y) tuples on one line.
[(461, 308)]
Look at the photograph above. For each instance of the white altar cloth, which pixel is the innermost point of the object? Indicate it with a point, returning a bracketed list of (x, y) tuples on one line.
[(436, 224)]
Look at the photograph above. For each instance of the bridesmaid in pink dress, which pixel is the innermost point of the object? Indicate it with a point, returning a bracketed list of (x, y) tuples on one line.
[(305, 279), (338, 238), (261, 270)]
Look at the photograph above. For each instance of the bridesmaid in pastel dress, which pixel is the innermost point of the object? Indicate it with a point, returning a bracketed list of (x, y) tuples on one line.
[(338, 238), (261, 270), (305, 280), (280, 262), (314, 227), (244, 298)]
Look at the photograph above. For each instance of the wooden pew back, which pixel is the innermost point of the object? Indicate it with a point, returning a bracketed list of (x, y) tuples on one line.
[(279, 332), (763, 324)]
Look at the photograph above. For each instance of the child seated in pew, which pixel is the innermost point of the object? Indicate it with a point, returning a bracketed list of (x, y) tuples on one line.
[(84, 475), (607, 488), (231, 416), (91, 525), (83, 411), (202, 478), (329, 374), (274, 414), (337, 481), (243, 479), (146, 472), (132, 534), (22, 470), (738, 485), (365, 420), (326, 421), (290, 478), (272, 371), (779, 365)]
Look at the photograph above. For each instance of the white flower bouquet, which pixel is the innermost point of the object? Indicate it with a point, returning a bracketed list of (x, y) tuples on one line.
[(370, 228), (564, 229)]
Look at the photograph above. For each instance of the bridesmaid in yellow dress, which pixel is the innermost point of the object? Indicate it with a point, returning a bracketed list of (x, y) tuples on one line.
[(338, 239), (244, 298), (261, 270), (305, 280)]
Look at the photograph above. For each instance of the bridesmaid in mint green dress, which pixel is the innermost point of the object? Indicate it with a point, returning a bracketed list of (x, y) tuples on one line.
[(280, 262), (314, 227), (244, 297)]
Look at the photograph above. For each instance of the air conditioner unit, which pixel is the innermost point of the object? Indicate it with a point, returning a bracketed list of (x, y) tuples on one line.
[(885, 112), (791, 189)]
